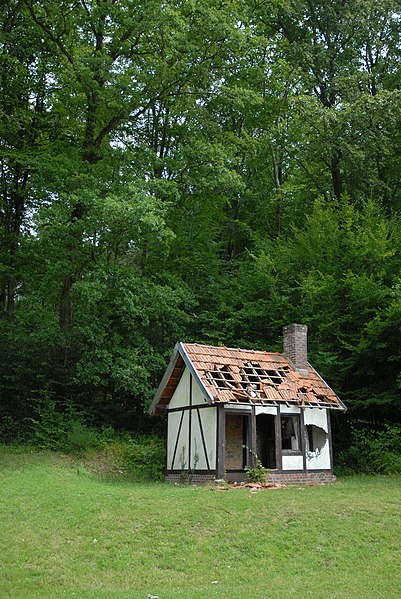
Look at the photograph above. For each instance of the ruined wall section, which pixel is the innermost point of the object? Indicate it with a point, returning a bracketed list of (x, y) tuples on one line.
[(317, 431)]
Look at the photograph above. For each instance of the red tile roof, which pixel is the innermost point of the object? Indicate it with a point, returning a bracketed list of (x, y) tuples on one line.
[(258, 377), (231, 375)]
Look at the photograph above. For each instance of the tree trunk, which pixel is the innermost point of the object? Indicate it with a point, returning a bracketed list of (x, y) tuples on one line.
[(278, 175), (336, 175), (65, 303), (16, 214)]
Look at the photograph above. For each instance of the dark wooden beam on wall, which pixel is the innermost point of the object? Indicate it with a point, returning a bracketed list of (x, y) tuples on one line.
[(252, 438), (328, 414), (177, 439), (220, 441), (279, 453), (303, 442), (203, 439), (190, 422), (186, 408)]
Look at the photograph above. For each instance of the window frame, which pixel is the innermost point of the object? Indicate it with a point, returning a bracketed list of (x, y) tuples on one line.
[(297, 428)]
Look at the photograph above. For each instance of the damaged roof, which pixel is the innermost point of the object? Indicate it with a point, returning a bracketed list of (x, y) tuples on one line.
[(232, 375)]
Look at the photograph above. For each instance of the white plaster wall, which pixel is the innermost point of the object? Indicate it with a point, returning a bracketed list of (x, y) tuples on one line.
[(181, 394), (208, 418), (316, 417), (180, 399), (293, 462), (320, 462), (289, 410), (173, 424), (198, 396), (246, 407), (265, 410)]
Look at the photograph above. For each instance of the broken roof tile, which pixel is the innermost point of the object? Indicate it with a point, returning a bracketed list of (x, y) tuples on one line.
[(272, 393), (273, 377), (226, 396), (286, 395)]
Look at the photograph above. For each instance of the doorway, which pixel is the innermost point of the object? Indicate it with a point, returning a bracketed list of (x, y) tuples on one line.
[(266, 440), (236, 442)]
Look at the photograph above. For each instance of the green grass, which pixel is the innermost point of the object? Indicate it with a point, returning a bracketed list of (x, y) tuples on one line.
[(67, 533)]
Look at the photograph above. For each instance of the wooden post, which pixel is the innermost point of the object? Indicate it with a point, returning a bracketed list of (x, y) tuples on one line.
[(279, 455), (252, 438), (221, 441), (303, 443)]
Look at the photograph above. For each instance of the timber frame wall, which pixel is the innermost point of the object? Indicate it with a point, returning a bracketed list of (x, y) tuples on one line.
[(191, 444), (213, 458)]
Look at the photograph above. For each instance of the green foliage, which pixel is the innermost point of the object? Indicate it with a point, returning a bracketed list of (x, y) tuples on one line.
[(194, 170), (121, 456), (50, 426), (140, 457), (80, 437), (63, 430), (257, 474), (337, 273), (12, 431), (143, 458), (374, 449)]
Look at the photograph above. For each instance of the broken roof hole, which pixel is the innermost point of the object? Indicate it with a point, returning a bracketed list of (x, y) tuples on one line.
[(275, 376), (254, 373), (221, 377)]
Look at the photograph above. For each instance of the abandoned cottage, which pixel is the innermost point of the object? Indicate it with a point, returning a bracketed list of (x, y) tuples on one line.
[(227, 406)]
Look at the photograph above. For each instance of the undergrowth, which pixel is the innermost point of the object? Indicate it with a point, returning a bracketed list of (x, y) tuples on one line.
[(374, 449), (103, 451)]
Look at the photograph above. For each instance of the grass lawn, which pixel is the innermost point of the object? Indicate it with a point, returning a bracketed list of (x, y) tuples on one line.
[(66, 533)]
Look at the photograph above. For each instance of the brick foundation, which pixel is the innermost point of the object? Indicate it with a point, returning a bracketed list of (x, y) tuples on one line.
[(281, 478), (300, 478)]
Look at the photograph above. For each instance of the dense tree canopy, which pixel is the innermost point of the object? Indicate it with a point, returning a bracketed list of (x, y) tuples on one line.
[(196, 170)]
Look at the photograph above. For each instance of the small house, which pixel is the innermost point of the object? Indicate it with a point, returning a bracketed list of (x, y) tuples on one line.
[(226, 407)]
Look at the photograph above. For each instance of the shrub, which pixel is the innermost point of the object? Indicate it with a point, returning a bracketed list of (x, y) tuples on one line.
[(144, 457), (107, 435), (374, 449), (49, 424), (79, 437), (257, 474), (12, 432), (61, 428)]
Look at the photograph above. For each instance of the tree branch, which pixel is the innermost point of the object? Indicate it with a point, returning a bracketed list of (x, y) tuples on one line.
[(55, 39)]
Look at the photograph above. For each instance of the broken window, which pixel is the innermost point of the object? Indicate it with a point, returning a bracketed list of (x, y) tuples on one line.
[(316, 438), (290, 437)]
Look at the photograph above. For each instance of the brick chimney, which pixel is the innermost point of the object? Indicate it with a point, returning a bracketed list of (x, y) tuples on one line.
[(295, 345)]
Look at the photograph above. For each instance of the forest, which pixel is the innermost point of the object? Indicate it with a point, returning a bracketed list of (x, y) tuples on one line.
[(196, 170)]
